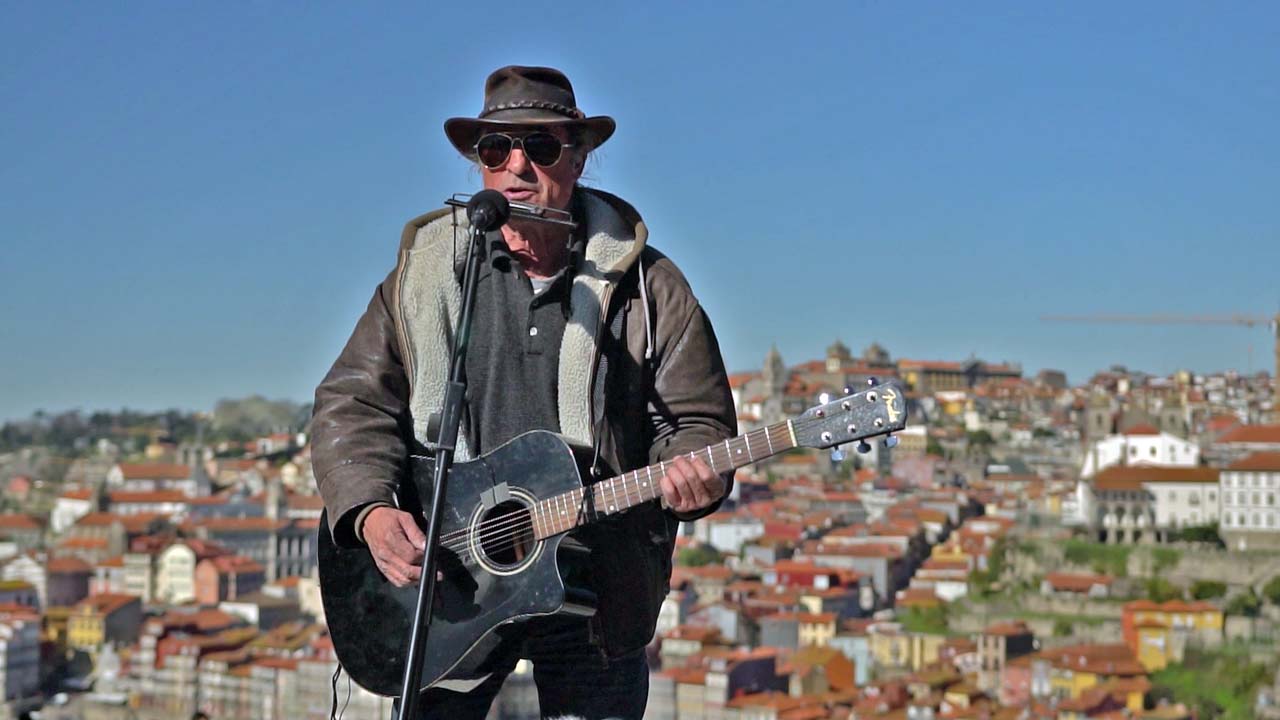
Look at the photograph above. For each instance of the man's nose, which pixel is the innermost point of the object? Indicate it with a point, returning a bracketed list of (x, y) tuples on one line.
[(517, 162)]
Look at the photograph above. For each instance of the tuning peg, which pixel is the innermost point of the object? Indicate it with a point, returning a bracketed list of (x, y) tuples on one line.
[(891, 441), (837, 455), (864, 447), (872, 382)]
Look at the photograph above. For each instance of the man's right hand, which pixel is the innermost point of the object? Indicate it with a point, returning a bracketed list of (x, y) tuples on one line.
[(396, 544)]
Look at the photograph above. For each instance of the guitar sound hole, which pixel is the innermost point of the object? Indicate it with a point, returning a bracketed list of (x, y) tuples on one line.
[(506, 534)]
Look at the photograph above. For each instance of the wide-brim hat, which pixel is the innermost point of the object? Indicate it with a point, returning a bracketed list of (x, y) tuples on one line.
[(516, 96)]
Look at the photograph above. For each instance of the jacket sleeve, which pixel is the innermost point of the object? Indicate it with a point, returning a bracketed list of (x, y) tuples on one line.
[(690, 404), (360, 427)]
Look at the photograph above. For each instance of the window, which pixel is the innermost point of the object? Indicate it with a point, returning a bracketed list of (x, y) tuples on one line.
[(1255, 499), (1133, 451), (1271, 499), (1153, 451), (1212, 496), (1173, 496)]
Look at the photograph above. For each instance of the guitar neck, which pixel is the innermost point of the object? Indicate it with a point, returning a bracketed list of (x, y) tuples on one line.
[(564, 512)]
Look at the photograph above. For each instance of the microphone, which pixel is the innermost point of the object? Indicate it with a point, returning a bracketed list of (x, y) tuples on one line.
[(488, 210)]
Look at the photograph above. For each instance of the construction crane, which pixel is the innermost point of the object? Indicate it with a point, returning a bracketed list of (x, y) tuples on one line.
[(1234, 319)]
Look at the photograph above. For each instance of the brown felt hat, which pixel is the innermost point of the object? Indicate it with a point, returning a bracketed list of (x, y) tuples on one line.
[(516, 96)]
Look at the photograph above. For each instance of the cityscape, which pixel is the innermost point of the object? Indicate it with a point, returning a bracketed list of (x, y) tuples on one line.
[(1030, 548)]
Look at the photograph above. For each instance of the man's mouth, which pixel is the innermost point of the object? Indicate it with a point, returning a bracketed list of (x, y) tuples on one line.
[(518, 193)]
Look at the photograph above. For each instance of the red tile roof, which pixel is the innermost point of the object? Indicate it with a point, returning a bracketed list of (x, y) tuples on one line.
[(155, 471), (123, 497), (1076, 582), (16, 521), (106, 603), (1252, 434), (67, 565), (1132, 477), (1143, 429), (1258, 461)]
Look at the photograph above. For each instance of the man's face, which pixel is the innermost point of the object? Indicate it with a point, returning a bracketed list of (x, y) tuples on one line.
[(521, 180)]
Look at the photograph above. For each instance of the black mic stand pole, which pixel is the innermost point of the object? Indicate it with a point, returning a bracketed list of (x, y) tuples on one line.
[(450, 420)]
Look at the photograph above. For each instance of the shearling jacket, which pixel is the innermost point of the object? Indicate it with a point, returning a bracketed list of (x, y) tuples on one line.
[(666, 391)]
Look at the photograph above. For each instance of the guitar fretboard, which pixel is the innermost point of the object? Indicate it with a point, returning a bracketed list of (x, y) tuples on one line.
[(566, 511)]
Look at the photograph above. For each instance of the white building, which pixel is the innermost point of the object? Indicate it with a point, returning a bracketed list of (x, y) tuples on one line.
[(70, 507), (727, 533), (1132, 503), (1140, 445), (28, 568), (1186, 501), (1250, 515)]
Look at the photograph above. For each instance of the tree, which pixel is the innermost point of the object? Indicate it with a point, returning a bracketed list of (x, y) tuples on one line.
[(698, 556), (1208, 589), (1271, 591), (1063, 627), (1161, 590), (1246, 604)]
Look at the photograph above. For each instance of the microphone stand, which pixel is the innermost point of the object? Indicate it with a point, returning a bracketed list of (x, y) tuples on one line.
[(490, 213), (446, 442)]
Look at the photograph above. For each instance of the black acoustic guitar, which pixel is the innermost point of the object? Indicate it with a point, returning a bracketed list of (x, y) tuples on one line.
[(506, 515)]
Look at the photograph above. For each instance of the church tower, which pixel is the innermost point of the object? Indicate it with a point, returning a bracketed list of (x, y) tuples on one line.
[(775, 378)]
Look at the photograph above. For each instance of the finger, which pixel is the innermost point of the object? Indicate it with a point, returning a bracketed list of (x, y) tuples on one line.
[(700, 478), (711, 481), (399, 546), (412, 532), (670, 493), (686, 481)]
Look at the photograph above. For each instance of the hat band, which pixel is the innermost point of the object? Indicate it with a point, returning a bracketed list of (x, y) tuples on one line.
[(565, 110)]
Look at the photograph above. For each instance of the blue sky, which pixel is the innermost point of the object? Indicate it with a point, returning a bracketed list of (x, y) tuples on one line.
[(196, 200)]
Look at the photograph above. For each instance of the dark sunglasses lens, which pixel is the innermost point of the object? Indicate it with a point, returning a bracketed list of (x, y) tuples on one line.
[(493, 149), (542, 148)]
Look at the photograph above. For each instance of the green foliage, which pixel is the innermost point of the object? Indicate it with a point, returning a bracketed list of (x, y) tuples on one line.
[(1217, 684), (698, 556), (1271, 591), (240, 420), (1208, 589), (932, 620), (1246, 603), (1200, 534), (1161, 590), (1165, 559), (1104, 559), (933, 447), (981, 438), (1063, 628), (982, 583), (1043, 433)]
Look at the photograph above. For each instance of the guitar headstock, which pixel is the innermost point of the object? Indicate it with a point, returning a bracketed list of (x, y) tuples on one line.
[(879, 410)]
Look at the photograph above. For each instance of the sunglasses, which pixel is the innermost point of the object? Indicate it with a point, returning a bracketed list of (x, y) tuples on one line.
[(542, 148)]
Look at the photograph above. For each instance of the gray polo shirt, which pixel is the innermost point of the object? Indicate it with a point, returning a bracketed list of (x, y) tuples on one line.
[(513, 360)]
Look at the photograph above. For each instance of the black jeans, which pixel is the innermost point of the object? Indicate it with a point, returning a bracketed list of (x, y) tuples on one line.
[(572, 676)]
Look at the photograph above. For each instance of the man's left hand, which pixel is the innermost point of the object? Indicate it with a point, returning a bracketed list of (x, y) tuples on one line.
[(690, 485)]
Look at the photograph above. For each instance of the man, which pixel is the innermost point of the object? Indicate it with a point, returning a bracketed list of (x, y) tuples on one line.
[(588, 333)]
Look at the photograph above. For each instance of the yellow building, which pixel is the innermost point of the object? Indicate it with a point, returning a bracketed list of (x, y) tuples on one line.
[(53, 626), (893, 648), (1158, 632), (1077, 669), (104, 618)]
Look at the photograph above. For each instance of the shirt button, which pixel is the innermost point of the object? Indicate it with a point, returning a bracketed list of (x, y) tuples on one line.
[(533, 331)]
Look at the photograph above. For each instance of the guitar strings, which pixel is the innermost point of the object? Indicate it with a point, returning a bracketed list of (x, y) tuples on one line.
[(513, 525), (523, 519), (768, 437)]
